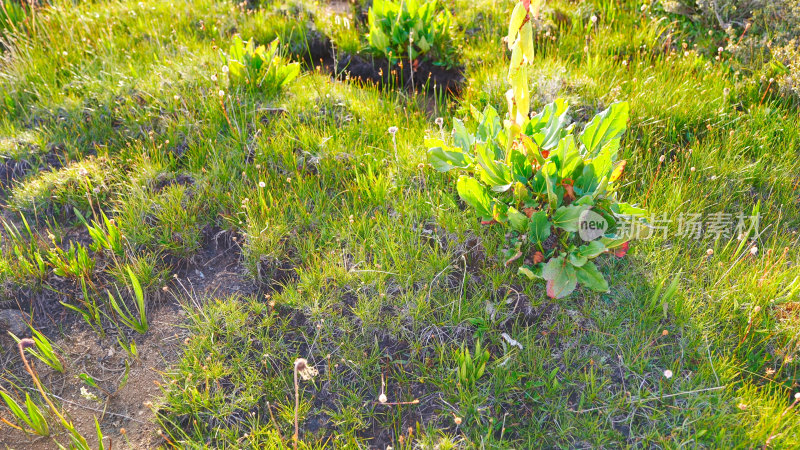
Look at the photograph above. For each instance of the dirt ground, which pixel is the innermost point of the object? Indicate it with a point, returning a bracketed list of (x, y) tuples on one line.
[(126, 413)]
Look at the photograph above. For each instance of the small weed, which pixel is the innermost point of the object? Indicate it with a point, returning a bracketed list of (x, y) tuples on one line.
[(105, 235), (471, 367), (134, 319), (34, 418), (44, 351), (74, 263)]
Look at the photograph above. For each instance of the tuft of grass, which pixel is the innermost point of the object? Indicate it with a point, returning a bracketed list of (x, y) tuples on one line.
[(79, 186)]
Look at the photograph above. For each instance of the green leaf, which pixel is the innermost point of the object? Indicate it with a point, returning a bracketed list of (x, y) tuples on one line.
[(494, 173), (445, 158), (489, 125), (476, 195), (614, 242), (569, 157), (560, 276), (552, 198), (461, 136), (520, 167), (625, 209), (547, 127), (522, 98), (38, 422), (604, 127), (589, 276), (567, 217), (577, 260), (592, 249), (100, 444), (518, 220), (15, 409), (89, 380), (539, 228), (532, 272)]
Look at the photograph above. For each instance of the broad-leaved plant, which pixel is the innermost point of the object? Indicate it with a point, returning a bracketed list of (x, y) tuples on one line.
[(259, 68), (552, 187), (410, 29)]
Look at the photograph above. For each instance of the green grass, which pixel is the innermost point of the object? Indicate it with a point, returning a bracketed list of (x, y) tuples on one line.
[(370, 266)]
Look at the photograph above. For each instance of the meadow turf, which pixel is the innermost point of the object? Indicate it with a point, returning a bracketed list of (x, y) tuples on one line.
[(347, 249)]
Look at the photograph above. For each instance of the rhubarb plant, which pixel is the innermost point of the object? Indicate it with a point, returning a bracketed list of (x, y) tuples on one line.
[(553, 188), (259, 67), (412, 29)]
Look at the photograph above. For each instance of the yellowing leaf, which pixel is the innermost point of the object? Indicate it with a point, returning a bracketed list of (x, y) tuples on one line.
[(517, 17), (618, 171), (526, 41)]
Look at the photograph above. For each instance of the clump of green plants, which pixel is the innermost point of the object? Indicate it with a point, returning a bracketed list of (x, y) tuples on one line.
[(411, 29), (32, 420), (258, 67), (105, 235), (553, 189), (134, 318), (73, 262), (44, 350), (471, 367), (26, 261)]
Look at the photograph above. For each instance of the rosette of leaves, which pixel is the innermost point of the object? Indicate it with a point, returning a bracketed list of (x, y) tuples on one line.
[(259, 67), (540, 179), (411, 29)]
